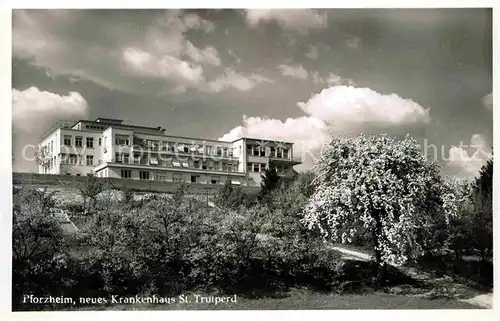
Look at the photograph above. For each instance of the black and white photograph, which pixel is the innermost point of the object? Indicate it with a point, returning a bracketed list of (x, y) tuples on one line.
[(252, 159)]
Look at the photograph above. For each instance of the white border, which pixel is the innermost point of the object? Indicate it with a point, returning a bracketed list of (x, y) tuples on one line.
[(6, 170)]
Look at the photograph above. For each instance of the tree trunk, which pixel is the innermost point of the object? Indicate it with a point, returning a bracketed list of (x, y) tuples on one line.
[(381, 267)]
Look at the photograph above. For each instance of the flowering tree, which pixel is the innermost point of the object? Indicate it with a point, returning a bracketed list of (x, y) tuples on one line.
[(378, 185)]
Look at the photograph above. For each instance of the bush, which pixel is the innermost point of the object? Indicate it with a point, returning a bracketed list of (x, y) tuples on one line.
[(38, 247)]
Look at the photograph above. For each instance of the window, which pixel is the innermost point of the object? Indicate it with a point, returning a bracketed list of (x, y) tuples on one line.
[(230, 152), (90, 160), (100, 141), (118, 158), (161, 177), (153, 144), (256, 167), (285, 153), (235, 167), (194, 179), (224, 151), (249, 167), (177, 178), (279, 153), (126, 158), (90, 142), (219, 151), (67, 140), (204, 165), (196, 164), (273, 152), (127, 173), (176, 164), (51, 146), (185, 164), (185, 149), (214, 180), (80, 160), (122, 140), (256, 150), (153, 161), (223, 166), (262, 151), (143, 175), (78, 141)]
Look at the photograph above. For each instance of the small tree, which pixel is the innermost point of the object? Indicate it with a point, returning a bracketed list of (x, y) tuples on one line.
[(270, 182), (382, 185), (90, 190), (224, 194), (482, 220), (42, 156)]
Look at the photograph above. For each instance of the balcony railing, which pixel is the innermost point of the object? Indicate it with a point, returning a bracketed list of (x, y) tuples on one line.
[(180, 165)]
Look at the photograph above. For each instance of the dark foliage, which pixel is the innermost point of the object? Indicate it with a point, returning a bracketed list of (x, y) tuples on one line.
[(270, 182)]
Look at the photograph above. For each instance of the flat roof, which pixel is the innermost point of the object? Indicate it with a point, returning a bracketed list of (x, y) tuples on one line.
[(98, 120), (119, 124), (162, 130)]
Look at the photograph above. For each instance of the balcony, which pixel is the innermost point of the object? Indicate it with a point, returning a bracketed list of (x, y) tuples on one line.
[(294, 160)]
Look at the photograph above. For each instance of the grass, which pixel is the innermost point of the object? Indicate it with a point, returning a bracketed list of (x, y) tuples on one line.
[(302, 299)]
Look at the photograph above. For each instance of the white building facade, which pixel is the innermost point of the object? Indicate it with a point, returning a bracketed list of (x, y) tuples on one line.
[(110, 148)]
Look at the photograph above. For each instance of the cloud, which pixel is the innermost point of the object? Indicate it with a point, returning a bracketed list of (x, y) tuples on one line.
[(207, 55), (346, 105), (232, 54), (34, 112), (307, 133), (297, 71), (465, 161), (158, 51), (488, 101), (313, 52), (331, 79), (353, 42), (337, 110), (294, 19), (32, 108), (232, 79), (141, 63)]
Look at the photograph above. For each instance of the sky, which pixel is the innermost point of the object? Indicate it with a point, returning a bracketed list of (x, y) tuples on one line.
[(299, 75)]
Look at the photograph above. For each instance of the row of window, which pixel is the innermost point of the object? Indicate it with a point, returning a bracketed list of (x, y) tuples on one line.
[(260, 167), (262, 151), (95, 127), (188, 148), (51, 163), (124, 158), (89, 141), (75, 159), (146, 175)]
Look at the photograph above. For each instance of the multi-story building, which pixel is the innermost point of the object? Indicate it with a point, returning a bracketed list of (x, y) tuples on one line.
[(110, 148)]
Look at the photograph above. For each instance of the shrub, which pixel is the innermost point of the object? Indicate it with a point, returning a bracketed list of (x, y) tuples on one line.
[(38, 247)]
